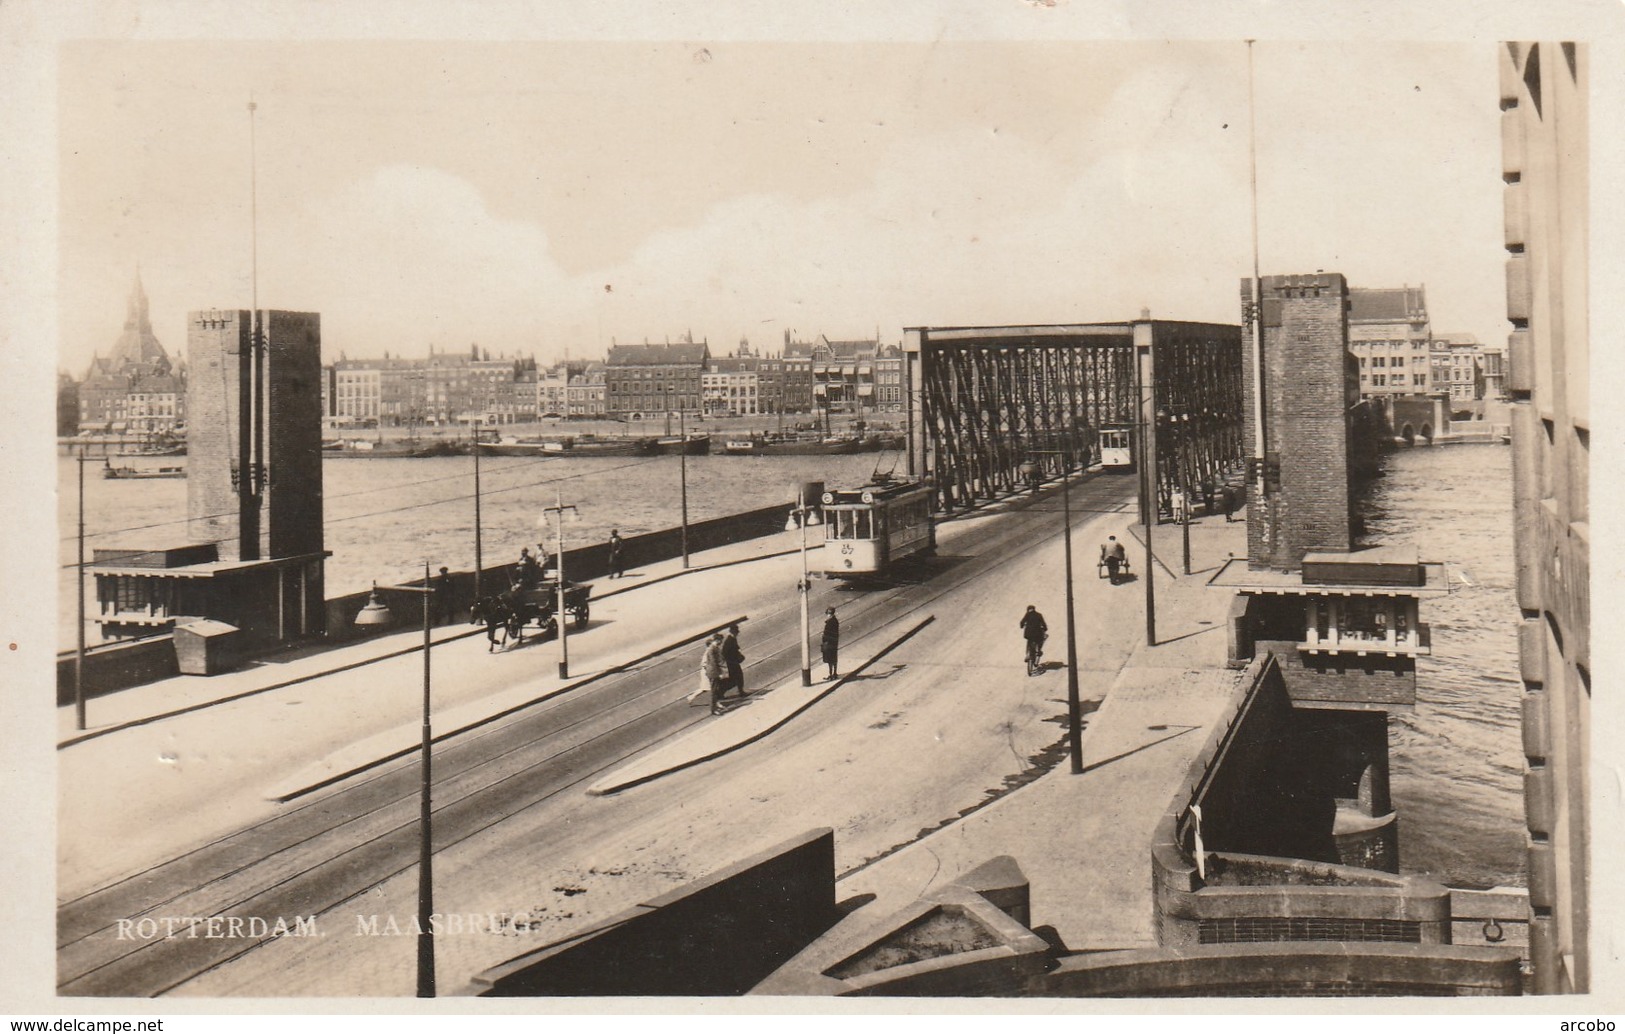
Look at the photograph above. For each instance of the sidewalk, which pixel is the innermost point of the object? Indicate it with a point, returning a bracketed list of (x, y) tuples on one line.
[(184, 693), (222, 749), (1084, 840)]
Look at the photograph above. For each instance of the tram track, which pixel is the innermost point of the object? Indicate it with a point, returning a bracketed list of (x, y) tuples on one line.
[(355, 836)]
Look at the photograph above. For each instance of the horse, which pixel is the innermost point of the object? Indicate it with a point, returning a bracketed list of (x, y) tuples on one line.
[(496, 613)]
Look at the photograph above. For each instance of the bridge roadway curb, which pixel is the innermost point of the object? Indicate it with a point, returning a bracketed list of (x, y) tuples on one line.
[(768, 711), (403, 740), (417, 646)]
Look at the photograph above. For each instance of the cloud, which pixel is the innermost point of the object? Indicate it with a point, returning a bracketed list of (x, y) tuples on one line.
[(412, 255)]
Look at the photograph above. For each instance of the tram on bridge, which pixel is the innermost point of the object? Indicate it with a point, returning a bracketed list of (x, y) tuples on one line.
[(867, 530), (1117, 449)]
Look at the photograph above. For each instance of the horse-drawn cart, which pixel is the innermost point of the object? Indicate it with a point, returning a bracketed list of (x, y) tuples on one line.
[(537, 605)]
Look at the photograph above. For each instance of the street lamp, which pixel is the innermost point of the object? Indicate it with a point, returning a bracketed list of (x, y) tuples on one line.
[(558, 570), (682, 463), (1074, 707), (801, 517), (375, 613), (1182, 513)]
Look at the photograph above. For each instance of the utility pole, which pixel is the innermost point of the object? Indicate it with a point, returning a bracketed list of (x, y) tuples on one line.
[(479, 566), (425, 839), (682, 475), (1074, 707), (1148, 485), (559, 615), (801, 515), (79, 571)]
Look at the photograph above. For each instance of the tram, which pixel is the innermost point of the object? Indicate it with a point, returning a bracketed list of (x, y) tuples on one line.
[(869, 529), (1117, 449)]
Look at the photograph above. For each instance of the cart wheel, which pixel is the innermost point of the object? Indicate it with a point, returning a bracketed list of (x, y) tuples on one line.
[(581, 616)]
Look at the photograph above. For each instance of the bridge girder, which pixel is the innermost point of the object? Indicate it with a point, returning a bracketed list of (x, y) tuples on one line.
[(985, 401)]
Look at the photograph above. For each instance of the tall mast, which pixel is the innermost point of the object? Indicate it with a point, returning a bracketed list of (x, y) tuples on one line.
[(251, 396), (1261, 442)]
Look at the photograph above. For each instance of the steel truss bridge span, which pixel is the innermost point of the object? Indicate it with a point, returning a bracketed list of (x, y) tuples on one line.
[(992, 407)]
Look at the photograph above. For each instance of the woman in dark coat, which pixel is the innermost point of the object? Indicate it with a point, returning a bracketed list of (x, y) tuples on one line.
[(830, 645)]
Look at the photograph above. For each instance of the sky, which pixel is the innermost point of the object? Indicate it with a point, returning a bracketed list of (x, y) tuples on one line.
[(548, 197)]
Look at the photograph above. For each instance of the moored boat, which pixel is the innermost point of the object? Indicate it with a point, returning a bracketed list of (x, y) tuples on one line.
[(585, 445), (136, 473), (794, 445), (693, 445)]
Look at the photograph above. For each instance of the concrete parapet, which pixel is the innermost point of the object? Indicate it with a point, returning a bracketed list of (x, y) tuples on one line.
[(970, 938), (719, 935), (1317, 969), (115, 666)]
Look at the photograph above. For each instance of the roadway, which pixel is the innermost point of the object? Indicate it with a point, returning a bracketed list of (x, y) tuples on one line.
[(934, 730)]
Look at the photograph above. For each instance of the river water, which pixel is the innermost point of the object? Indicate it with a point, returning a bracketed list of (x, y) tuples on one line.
[(1456, 761), (385, 517)]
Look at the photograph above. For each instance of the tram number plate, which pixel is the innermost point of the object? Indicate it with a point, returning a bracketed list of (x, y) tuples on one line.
[(847, 550)]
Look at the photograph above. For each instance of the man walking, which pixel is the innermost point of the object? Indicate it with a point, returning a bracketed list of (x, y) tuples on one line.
[(830, 644), (617, 564), (734, 658), (442, 598), (1112, 554), (1034, 629), (713, 667)]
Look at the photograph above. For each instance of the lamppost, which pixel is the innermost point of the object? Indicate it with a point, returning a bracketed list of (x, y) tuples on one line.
[(559, 615), (1074, 708), (801, 516), (682, 463), (376, 613), (1182, 513)]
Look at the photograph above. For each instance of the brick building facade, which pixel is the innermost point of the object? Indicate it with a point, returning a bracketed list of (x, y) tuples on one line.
[(650, 380)]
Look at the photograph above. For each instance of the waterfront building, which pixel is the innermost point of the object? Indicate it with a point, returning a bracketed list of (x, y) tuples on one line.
[(1458, 369), (135, 389), (1389, 335), (647, 380), (731, 386), (585, 396), (552, 391), (843, 372), (358, 391), (797, 381), (1493, 358), (1545, 161), (889, 391)]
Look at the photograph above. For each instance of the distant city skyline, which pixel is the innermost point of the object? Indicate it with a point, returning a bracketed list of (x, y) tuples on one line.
[(544, 197)]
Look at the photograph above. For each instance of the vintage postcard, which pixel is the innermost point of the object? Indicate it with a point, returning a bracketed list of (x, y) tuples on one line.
[(1070, 506)]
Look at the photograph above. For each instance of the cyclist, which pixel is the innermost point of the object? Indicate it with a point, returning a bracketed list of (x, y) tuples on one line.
[(1035, 631)]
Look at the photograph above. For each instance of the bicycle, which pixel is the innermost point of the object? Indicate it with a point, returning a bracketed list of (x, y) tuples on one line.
[(1035, 656)]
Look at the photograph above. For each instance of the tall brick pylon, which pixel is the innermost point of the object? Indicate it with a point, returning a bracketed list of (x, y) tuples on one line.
[(1311, 384), (290, 486)]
